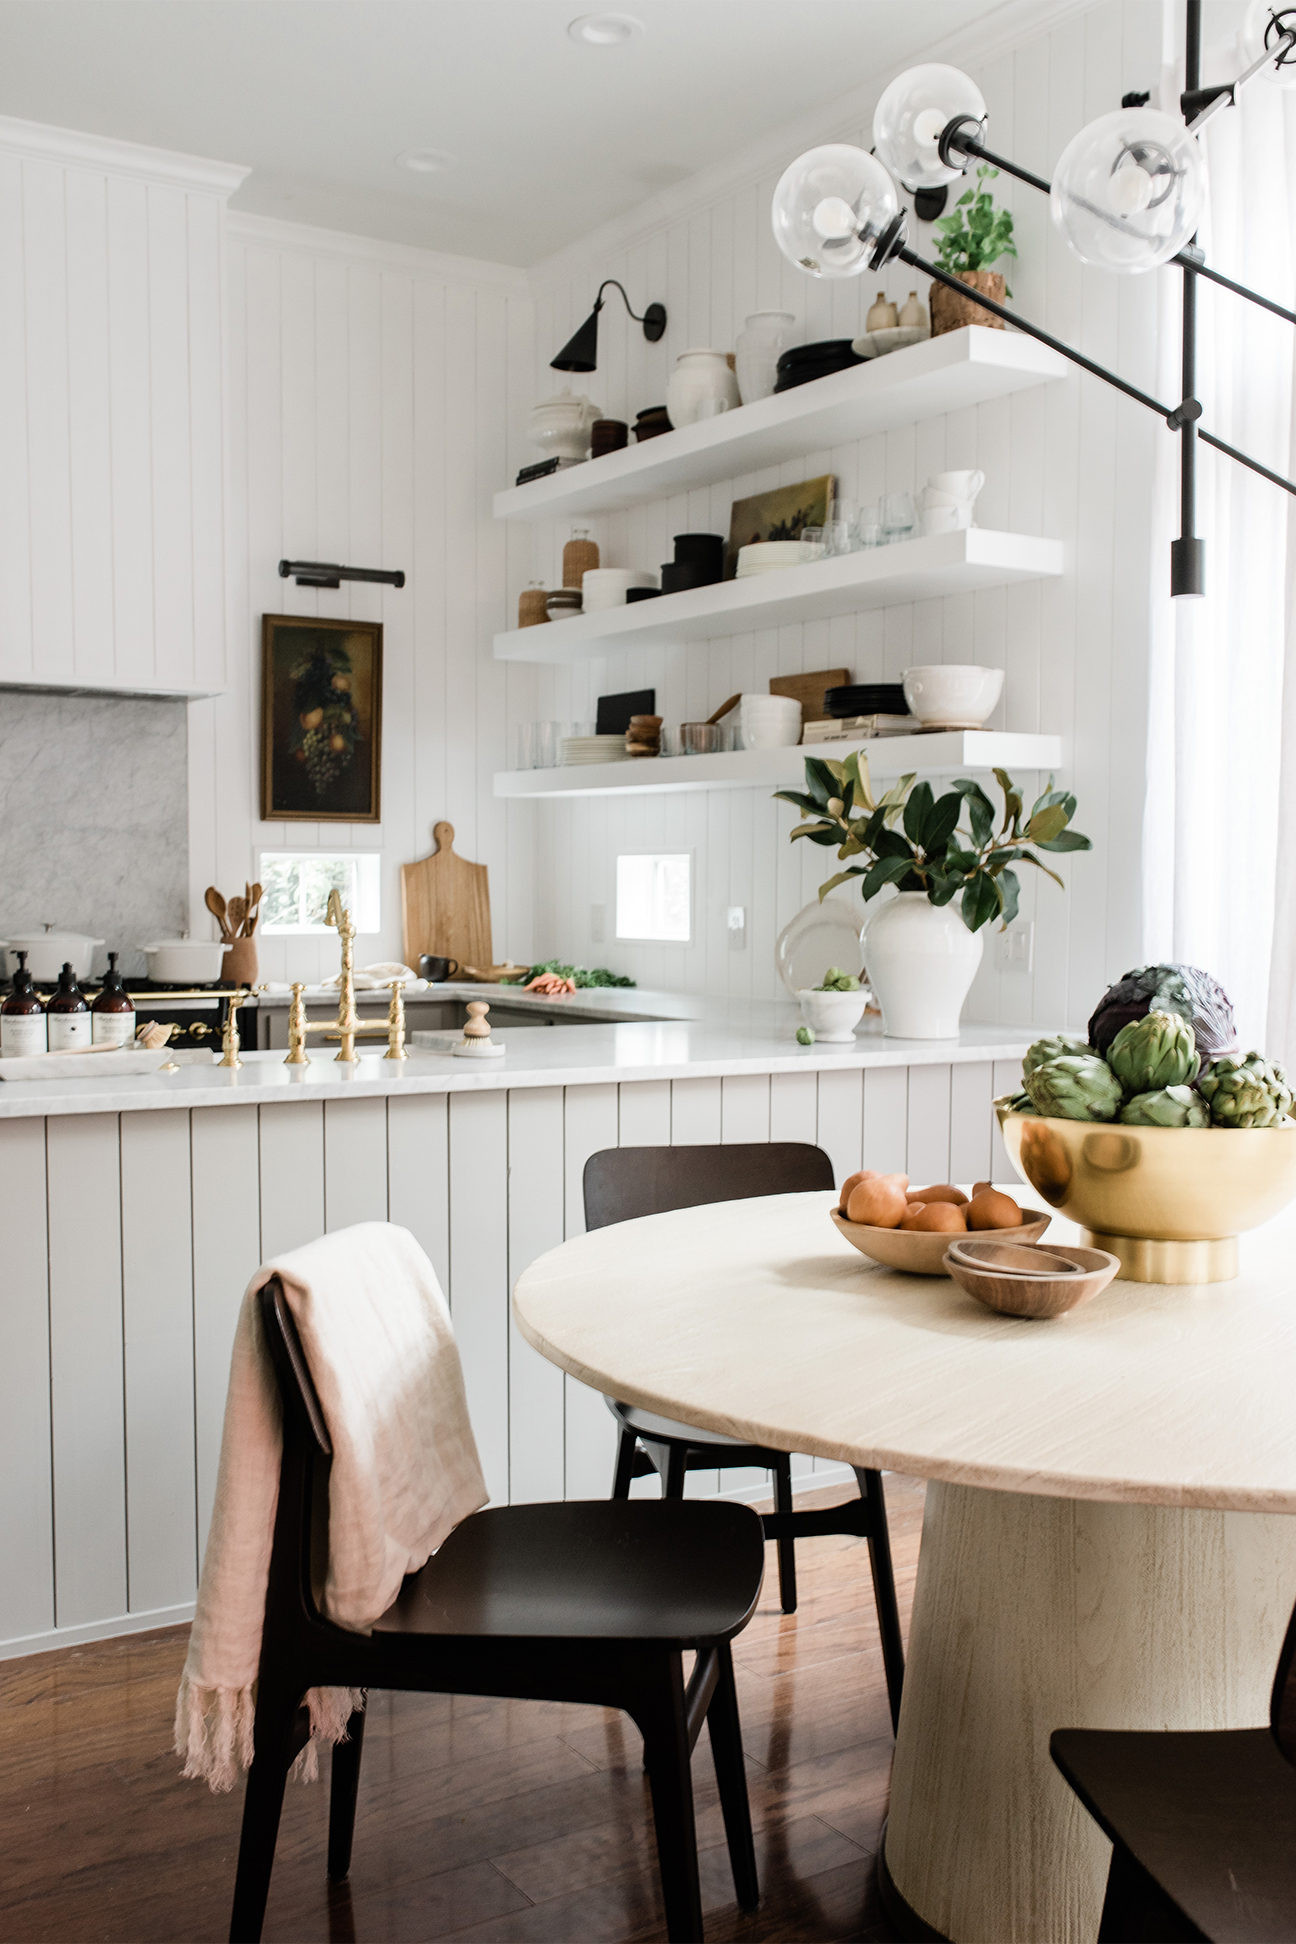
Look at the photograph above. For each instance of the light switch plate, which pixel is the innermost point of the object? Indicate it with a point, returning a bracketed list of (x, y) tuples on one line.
[(736, 919), (1015, 948)]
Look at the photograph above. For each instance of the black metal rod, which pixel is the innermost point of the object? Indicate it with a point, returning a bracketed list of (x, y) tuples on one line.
[(1239, 290), (1167, 412), (969, 145), (1276, 479), (1187, 553)]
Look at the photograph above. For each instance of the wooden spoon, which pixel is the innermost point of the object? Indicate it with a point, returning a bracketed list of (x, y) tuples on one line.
[(254, 910), (237, 911), (724, 709), (216, 905)]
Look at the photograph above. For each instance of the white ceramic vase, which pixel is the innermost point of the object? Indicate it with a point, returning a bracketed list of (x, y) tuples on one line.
[(700, 386), (764, 336), (920, 958)]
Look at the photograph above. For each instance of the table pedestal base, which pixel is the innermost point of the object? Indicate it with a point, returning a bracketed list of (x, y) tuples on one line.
[(1144, 1259), (1038, 1613)]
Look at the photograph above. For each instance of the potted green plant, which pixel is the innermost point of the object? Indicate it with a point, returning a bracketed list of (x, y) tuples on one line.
[(972, 238), (921, 952)]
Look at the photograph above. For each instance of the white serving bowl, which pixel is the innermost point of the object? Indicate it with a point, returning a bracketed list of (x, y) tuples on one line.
[(605, 587), (955, 696), (184, 961), (48, 952), (770, 721), (833, 1016)]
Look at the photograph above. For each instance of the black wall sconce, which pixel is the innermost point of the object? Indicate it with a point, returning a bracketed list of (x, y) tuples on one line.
[(1126, 196), (321, 573), (580, 353)]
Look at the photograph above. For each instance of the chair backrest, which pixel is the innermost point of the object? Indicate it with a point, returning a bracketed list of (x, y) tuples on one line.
[(297, 1390), (622, 1183), (300, 1548), (1282, 1702)]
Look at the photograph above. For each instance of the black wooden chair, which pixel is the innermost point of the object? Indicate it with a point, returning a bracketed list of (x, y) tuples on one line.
[(1203, 1824), (589, 1602), (622, 1183)]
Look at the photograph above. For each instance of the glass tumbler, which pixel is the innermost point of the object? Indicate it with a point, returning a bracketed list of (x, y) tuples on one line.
[(812, 545), (841, 533), (546, 744), (897, 516), (526, 745), (871, 533)]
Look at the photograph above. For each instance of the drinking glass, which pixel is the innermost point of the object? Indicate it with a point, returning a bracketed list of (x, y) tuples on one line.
[(546, 744), (841, 531), (897, 516), (871, 533), (526, 745), (812, 545)]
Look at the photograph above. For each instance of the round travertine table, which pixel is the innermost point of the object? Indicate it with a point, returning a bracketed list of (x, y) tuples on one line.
[(1107, 1539)]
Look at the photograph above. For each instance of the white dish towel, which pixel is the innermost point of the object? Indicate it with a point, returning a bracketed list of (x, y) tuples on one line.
[(377, 1336)]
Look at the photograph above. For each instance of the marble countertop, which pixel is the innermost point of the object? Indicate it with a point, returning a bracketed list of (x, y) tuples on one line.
[(695, 1039), (758, 1320)]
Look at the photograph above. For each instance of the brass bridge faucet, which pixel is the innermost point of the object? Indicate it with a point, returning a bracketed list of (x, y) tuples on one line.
[(347, 1026)]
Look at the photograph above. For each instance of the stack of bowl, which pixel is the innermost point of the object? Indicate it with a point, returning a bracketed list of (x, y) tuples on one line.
[(1028, 1279), (698, 562), (770, 721), (608, 587), (607, 435), (651, 423), (562, 602), (575, 750), (805, 362)]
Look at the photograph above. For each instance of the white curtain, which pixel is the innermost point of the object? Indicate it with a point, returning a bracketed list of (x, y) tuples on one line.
[(1219, 852)]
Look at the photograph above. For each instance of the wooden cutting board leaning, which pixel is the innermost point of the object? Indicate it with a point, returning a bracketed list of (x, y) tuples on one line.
[(445, 906)]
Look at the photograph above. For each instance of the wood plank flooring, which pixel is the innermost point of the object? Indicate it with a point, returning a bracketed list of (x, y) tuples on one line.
[(481, 1821)]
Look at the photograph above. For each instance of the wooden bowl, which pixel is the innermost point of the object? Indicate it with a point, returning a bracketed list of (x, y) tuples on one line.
[(983, 1250), (924, 1255), (1014, 1294)]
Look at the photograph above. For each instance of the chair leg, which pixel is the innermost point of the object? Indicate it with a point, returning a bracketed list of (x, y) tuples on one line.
[(274, 1752), (624, 1470), (1136, 1910), (884, 1593), (664, 1724), (731, 1777), (785, 1548), (676, 1466), (343, 1784)]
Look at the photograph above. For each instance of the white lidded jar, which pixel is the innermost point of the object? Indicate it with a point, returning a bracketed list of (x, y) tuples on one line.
[(765, 335), (921, 959), (700, 386)]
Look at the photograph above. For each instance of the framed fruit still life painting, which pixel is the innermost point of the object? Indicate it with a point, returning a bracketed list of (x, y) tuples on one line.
[(321, 720)]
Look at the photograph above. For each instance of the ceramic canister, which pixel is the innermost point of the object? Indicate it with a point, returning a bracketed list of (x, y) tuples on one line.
[(756, 353), (700, 386)]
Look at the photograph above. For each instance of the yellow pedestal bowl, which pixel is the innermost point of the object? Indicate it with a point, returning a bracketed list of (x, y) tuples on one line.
[(1170, 1202)]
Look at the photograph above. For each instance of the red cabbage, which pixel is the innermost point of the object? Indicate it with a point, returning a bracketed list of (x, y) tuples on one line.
[(1182, 989)]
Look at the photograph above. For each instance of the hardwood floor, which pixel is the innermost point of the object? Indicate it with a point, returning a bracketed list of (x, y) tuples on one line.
[(479, 1820)]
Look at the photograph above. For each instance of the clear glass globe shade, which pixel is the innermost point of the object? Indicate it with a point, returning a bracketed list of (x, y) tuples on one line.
[(1257, 35), (911, 117), (1128, 189), (830, 208)]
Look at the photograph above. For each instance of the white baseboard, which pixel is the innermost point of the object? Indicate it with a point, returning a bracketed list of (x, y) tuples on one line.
[(122, 1623)]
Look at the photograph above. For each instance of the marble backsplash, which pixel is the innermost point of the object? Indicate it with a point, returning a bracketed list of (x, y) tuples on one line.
[(94, 818)]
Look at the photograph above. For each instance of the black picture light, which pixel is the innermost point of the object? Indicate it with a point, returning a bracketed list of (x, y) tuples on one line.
[(322, 573)]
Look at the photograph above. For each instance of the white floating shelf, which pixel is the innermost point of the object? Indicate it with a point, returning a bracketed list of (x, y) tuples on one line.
[(944, 374), (784, 769), (911, 570)]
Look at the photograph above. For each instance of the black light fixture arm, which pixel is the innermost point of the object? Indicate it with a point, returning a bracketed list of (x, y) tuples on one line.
[(653, 319), (323, 573)]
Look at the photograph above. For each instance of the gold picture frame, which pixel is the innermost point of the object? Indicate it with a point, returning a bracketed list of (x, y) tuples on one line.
[(321, 720), (778, 514)]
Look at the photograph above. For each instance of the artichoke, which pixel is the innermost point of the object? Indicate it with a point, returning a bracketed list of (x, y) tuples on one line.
[(1076, 1086), (1181, 989), (1021, 1103), (1159, 1050), (1166, 1107), (1245, 1092), (1057, 1047)]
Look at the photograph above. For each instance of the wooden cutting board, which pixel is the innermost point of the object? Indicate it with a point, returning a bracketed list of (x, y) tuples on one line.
[(445, 905), (808, 690)]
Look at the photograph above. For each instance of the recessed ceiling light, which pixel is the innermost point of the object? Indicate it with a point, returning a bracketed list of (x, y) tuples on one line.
[(424, 161), (605, 30)]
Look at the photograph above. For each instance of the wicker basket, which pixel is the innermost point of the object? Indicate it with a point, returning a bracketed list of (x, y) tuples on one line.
[(950, 312)]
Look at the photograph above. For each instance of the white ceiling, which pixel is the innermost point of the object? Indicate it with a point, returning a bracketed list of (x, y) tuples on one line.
[(549, 138)]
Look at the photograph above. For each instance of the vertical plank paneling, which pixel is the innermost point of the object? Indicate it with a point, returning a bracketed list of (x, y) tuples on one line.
[(794, 1107), (158, 1320), (130, 515), (89, 426), (928, 1158), (49, 485), (841, 1118), (172, 470), (537, 1432), (745, 1106), (695, 1112), (971, 1120), (479, 1271), (355, 1162), (226, 1252), (86, 1368), (292, 1175), (26, 1510), (418, 1174), (886, 1119), (645, 1114), (589, 1123)]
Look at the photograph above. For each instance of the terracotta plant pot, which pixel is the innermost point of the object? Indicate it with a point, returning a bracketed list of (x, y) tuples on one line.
[(950, 312), (239, 966)]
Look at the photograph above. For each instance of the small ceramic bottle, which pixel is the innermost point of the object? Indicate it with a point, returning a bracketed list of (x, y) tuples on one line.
[(579, 555), (882, 316), (913, 314)]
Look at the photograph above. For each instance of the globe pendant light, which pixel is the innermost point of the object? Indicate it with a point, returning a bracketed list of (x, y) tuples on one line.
[(1262, 29), (912, 116), (832, 209), (1128, 190)]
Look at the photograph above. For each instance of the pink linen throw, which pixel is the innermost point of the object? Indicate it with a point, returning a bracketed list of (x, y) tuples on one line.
[(377, 1337)]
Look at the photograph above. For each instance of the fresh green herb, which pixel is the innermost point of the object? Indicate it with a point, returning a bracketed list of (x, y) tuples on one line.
[(979, 239), (600, 976)]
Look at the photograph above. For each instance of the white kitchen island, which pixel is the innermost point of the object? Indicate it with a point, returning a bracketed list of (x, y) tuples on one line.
[(134, 1211)]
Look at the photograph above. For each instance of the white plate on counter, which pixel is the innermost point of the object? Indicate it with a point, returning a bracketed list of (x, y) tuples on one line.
[(819, 936)]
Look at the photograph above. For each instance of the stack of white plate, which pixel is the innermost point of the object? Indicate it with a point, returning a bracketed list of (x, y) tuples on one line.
[(591, 749), (768, 556)]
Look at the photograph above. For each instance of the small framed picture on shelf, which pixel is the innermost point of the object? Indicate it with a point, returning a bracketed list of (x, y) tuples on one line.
[(321, 720), (778, 514)]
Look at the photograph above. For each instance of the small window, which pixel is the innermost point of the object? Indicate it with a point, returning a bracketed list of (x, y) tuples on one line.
[(654, 896), (295, 887)]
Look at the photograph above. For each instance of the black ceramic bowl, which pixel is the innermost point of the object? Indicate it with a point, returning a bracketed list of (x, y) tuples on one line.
[(866, 698)]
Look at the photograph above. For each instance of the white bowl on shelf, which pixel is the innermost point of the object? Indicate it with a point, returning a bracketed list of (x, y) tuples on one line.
[(606, 587), (770, 721), (953, 696)]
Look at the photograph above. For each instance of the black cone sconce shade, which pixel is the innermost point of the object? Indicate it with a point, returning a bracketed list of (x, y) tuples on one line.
[(580, 353)]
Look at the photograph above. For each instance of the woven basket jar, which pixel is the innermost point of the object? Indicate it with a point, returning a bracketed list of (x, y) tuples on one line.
[(950, 312)]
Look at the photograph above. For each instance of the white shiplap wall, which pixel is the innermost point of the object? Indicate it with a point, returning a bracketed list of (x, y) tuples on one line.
[(1071, 460), (375, 396)]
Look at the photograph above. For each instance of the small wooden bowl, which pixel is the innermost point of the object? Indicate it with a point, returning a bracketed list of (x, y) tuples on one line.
[(924, 1255), (983, 1250), (1014, 1294)]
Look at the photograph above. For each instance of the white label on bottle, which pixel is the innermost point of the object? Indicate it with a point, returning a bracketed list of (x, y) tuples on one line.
[(22, 1033), (68, 1029), (112, 1029)]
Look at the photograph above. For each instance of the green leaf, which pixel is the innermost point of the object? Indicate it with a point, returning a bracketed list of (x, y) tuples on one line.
[(820, 781), (889, 843), (853, 776), (942, 888), (887, 870), (940, 824), (1029, 857), (1011, 796), (842, 877), (980, 901), (1010, 891), (1045, 824), (996, 860), (1068, 840), (805, 803), (916, 811), (980, 809)]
